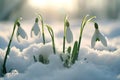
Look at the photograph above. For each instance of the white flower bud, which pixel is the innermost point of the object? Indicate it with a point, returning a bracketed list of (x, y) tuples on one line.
[(69, 35), (97, 36), (35, 30), (21, 33)]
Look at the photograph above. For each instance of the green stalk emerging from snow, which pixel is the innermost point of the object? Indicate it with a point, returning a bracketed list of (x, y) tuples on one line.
[(43, 35), (64, 34), (84, 21), (8, 48), (76, 47), (74, 55), (67, 33), (52, 37)]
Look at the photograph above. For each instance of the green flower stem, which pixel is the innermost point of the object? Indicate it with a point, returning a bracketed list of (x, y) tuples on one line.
[(64, 44), (84, 21), (52, 37), (53, 45), (64, 34), (8, 48), (43, 35)]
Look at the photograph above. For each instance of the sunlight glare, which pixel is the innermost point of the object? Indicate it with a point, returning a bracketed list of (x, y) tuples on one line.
[(37, 3), (53, 4)]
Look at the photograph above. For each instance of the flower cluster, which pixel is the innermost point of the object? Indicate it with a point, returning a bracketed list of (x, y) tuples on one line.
[(68, 57)]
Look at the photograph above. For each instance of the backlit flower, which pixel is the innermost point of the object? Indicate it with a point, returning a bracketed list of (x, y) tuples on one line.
[(21, 34), (69, 35), (35, 29), (97, 36)]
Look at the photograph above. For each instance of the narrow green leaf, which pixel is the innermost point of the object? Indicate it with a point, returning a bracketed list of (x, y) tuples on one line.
[(41, 59), (42, 23), (34, 58), (84, 20), (52, 37), (74, 56), (66, 24), (69, 49), (50, 30), (91, 18), (40, 17), (9, 44)]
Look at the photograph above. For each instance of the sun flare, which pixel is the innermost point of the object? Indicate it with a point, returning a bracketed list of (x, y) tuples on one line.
[(53, 4)]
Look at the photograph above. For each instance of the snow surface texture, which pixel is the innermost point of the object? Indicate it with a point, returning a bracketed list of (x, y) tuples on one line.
[(100, 63)]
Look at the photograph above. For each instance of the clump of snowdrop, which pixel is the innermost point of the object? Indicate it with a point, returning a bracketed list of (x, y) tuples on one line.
[(68, 57), (73, 56), (35, 29), (20, 33), (42, 58), (98, 36)]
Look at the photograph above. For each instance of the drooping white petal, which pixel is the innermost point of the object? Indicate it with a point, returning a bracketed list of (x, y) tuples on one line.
[(21, 33), (93, 40), (69, 35), (103, 39), (98, 35), (17, 36), (35, 30)]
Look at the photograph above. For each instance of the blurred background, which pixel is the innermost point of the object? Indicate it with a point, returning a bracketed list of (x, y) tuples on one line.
[(53, 12), (56, 9)]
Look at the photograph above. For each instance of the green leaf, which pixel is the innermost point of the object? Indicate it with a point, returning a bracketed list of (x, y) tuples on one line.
[(41, 59), (50, 30), (34, 58), (91, 18), (52, 36), (42, 23), (69, 49), (74, 56), (9, 44), (40, 17), (84, 21)]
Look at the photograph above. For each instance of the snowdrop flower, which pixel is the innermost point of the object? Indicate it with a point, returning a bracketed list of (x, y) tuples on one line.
[(98, 37), (69, 35), (21, 33), (35, 29)]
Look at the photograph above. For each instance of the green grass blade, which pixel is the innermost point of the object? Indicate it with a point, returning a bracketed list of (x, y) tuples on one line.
[(74, 56), (52, 36), (43, 34), (34, 58)]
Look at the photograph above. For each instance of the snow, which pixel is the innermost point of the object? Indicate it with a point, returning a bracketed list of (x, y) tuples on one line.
[(99, 63)]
